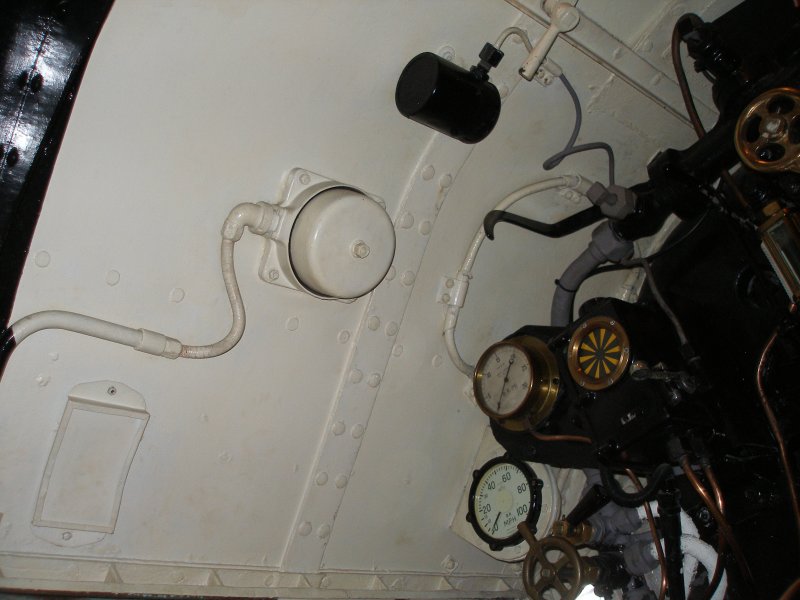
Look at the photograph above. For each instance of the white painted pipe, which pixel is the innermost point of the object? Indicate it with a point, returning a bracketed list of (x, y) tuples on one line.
[(139, 339), (459, 290), (707, 556), (260, 218), (688, 528)]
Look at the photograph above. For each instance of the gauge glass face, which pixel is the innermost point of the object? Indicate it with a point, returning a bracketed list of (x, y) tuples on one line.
[(502, 500), (505, 379)]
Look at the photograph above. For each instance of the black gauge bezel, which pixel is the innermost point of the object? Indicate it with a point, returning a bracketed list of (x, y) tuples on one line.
[(535, 501)]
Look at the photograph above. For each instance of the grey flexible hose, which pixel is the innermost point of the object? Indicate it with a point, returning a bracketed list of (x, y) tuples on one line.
[(571, 148), (604, 246), (567, 285)]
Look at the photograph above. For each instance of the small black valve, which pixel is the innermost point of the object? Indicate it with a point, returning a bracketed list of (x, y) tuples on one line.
[(490, 57)]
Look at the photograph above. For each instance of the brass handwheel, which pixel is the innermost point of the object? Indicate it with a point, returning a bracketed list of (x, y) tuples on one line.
[(768, 132), (551, 564)]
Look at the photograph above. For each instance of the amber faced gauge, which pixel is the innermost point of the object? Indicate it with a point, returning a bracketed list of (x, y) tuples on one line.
[(504, 493), (598, 353), (516, 382)]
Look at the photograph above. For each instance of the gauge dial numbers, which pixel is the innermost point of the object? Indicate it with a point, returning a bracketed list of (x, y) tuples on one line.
[(598, 353), (505, 380), (505, 492), (516, 382)]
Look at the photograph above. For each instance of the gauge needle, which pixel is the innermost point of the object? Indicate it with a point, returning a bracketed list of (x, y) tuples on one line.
[(494, 526), (505, 381)]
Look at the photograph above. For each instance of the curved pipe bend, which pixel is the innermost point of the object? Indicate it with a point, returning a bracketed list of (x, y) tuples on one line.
[(259, 218), (457, 296)]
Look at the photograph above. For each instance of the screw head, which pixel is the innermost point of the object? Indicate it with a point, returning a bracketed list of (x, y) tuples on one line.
[(360, 249)]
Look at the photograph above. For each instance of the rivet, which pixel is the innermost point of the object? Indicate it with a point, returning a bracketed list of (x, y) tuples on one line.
[(617, 52), (325, 582), (225, 457), (67, 535), (447, 52), (436, 361), (13, 157), (356, 376), (391, 273), (656, 79), (292, 323), (397, 350), (304, 528), (357, 431), (446, 298), (323, 531), (374, 380), (112, 277), (407, 278), (425, 227), (391, 328), (268, 580), (340, 481), (273, 274), (111, 391), (53, 356), (373, 323), (177, 295), (42, 380), (22, 79), (406, 220), (322, 478), (338, 428), (647, 46), (42, 258), (428, 172), (304, 178), (343, 336)]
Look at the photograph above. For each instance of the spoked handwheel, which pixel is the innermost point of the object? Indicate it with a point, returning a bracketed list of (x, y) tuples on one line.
[(552, 564), (768, 132)]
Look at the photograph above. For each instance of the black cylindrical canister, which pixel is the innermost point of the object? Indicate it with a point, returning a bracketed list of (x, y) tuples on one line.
[(447, 98)]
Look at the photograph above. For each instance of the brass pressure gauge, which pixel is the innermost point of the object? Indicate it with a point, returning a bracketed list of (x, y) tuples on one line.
[(516, 382), (598, 353)]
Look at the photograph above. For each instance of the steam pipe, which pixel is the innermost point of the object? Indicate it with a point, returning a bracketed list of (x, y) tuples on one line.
[(459, 290)]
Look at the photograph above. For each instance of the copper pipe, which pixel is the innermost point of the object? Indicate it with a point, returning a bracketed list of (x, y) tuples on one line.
[(688, 100), (722, 523), (773, 422), (712, 481), (545, 437), (691, 109), (721, 545), (793, 591), (662, 561)]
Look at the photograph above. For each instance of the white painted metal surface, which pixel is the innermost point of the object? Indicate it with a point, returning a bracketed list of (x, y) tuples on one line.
[(325, 455)]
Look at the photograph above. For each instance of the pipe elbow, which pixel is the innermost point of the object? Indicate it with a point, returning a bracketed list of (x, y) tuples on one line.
[(259, 218)]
